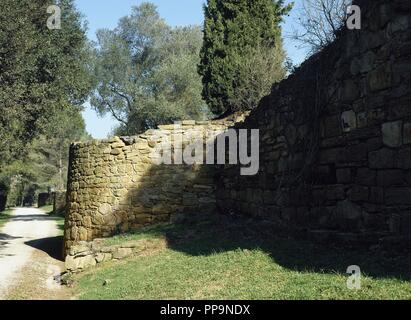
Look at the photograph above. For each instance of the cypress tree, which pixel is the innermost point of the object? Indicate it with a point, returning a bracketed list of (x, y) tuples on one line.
[(237, 31)]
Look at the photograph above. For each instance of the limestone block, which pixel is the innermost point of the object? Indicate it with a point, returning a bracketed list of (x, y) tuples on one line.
[(350, 91), (105, 209), (392, 134), (380, 78), (79, 263), (82, 234), (359, 194), (349, 121), (366, 177), (382, 159), (407, 133), (404, 158), (116, 152), (122, 253), (344, 175), (398, 196), (103, 257), (348, 210), (390, 177)]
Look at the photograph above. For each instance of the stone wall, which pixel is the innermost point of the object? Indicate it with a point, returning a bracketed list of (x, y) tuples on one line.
[(335, 150), (59, 202), (335, 136), (44, 199), (116, 186), (85, 255)]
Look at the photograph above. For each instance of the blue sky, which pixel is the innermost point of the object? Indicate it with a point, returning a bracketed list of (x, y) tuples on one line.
[(106, 13)]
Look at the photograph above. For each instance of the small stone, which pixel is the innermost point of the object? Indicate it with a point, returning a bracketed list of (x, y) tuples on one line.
[(106, 282)]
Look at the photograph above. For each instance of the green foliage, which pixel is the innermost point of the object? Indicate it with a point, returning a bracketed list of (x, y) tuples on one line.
[(146, 72), (235, 31), (42, 71), (46, 164), (44, 80)]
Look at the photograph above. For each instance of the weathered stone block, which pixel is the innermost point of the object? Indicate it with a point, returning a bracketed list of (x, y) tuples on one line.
[(331, 126), (404, 158), (366, 177), (105, 209), (344, 175), (388, 178), (381, 78), (376, 195), (382, 159), (79, 263), (359, 193), (335, 193), (349, 215), (349, 121), (122, 253), (103, 257), (398, 196), (392, 134), (407, 133), (350, 91)]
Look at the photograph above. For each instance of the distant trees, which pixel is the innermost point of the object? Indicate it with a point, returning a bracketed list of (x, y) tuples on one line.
[(45, 165), (320, 21), (146, 72), (242, 54), (44, 80), (42, 71)]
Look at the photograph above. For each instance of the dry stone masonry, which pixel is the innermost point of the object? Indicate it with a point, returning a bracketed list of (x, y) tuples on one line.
[(335, 150), (85, 255), (59, 202), (115, 185), (335, 147)]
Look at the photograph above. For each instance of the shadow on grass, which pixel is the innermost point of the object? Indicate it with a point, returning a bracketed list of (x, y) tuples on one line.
[(223, 234)]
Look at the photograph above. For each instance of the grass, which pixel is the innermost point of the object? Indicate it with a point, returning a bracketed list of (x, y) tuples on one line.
[(241, 259), (5, 216)]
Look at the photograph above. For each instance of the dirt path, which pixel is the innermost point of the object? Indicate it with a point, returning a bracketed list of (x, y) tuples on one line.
[(30, 257)]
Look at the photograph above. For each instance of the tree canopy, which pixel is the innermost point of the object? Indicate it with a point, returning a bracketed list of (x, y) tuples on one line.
[(235, 33), (44, 80), (42, 71), (146, 72)]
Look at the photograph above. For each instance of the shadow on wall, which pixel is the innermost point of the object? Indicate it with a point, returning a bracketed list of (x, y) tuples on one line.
[(116, 185)]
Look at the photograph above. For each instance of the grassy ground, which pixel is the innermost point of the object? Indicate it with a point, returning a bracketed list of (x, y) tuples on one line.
[(244, 260), (4, 217)]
